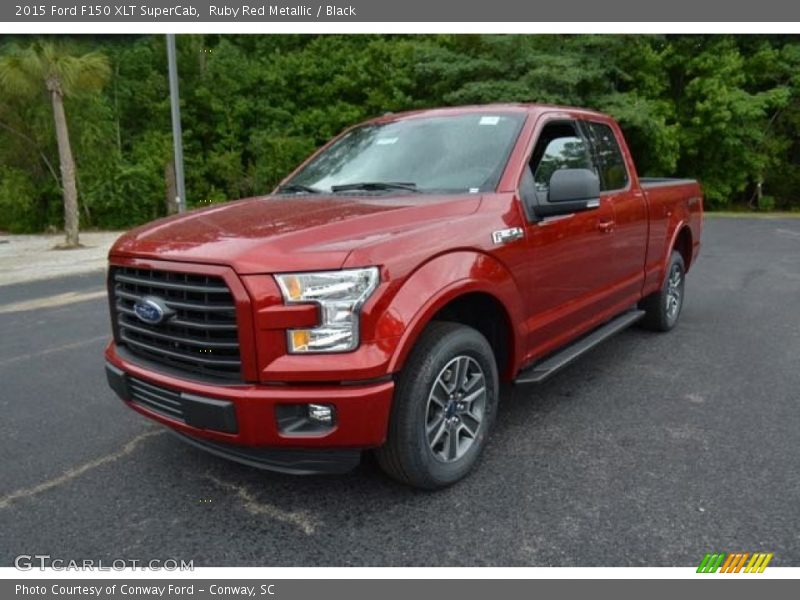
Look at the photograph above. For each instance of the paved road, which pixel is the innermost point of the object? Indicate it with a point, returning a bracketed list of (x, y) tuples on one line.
[(652, 450)]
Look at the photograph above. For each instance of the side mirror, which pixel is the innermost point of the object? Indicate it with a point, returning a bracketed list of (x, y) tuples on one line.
[(571, 190), (570, 185)]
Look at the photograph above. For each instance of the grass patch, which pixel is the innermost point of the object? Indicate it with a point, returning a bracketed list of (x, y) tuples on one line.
[(728, 214)]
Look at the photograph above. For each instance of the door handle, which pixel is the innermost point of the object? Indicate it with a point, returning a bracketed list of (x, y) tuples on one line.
[(605, 226)]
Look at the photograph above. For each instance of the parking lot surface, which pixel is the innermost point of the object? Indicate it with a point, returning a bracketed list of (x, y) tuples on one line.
[(651, 450)]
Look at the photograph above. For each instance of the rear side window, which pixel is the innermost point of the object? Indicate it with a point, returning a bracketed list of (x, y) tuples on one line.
[(613, 172)]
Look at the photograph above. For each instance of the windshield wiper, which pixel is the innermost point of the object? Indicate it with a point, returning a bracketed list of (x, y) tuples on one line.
[(298, 188), (375, 185)]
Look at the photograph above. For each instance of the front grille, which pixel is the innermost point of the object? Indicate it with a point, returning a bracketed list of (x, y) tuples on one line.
[(157, 399), (201, 337)]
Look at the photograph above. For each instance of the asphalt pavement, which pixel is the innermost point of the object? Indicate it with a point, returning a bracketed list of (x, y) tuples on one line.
[(653, 449)]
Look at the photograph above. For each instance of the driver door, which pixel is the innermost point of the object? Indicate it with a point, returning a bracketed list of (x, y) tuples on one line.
[(570, 257)]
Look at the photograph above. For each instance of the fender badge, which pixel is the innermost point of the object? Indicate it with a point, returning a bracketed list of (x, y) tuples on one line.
[(503, 236)]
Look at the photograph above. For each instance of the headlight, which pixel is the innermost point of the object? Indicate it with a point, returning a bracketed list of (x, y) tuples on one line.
[(340, 295)]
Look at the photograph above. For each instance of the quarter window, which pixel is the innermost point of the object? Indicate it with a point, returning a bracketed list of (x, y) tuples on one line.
[(613, 173)]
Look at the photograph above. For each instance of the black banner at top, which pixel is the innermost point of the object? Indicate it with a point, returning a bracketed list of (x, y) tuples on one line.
[(210, 11)]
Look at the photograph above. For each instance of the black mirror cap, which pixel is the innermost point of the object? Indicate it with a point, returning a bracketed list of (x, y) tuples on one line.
[(571, 185)]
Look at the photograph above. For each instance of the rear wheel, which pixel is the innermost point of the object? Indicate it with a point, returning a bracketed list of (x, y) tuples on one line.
[(444, 405), (663, 308)]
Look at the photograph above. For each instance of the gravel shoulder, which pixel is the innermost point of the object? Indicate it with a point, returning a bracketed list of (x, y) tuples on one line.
[(26, 258)]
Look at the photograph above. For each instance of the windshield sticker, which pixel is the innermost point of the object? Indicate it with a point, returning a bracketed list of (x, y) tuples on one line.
[(489, 121), (386, 141), (474, 190)]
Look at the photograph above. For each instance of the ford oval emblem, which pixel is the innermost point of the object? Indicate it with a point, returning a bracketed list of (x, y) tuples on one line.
[(151, 310)]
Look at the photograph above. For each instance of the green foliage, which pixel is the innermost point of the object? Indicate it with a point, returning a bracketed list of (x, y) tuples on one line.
[(23, 70), (49, 67), (723, 123), (767, 203), (724, 109), (17, 202)]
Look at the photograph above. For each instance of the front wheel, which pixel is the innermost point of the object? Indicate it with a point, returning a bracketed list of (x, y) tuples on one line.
[(662, 308), (444, 405)]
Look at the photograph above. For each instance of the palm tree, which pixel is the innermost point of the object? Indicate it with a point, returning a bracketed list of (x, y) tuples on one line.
[(25, 72)]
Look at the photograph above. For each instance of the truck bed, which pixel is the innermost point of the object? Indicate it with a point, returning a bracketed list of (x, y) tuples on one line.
[(672, 204)]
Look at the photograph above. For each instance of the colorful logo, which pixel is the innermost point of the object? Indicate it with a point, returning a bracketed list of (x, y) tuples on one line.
[(735, 562)]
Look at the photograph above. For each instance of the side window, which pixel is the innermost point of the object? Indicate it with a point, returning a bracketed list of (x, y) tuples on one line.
[(559, 146), (613, 172)]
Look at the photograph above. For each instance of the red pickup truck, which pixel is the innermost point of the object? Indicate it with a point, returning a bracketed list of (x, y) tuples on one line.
[(379, 296)]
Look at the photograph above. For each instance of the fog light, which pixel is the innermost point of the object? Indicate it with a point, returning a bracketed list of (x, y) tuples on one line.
[(322, 413), (305, 419)]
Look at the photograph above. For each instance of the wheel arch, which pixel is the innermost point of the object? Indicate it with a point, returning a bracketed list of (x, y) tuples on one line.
[(481, 294), (683, 243), (485, 313)]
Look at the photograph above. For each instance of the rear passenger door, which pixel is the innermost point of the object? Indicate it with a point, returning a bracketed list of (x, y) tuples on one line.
[(628, 231)]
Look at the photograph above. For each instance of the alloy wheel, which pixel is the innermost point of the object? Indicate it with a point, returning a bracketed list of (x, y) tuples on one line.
[(456, 407), (674, 292)]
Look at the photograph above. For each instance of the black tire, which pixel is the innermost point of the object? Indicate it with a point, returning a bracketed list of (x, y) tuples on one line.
[(446, 352), (662, 315)]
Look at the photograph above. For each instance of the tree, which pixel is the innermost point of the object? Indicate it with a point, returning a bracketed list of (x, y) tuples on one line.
[(722, 108), (24, 72)]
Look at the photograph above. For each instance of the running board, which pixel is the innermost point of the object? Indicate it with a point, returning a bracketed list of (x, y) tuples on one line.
[(555, 362)]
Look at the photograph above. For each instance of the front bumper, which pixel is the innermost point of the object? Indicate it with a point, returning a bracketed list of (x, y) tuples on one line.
[(230, 419)]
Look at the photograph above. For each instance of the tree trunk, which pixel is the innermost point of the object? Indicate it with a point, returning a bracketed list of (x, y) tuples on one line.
[(67, 171)]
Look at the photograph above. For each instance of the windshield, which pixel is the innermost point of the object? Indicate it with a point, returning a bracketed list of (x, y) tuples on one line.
[(462, 153)]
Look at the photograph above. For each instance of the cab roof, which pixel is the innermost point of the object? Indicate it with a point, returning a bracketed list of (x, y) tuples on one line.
[(518, 107)]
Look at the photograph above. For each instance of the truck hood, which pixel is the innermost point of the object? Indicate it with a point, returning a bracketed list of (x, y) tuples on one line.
[(279, 233)]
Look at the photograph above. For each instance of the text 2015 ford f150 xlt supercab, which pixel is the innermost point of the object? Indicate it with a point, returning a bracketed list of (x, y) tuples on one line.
[(380, 295)]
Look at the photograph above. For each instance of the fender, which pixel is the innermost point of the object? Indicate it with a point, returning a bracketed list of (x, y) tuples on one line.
[(654, 276), (673, 240), (465, 272), (656, 266)]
